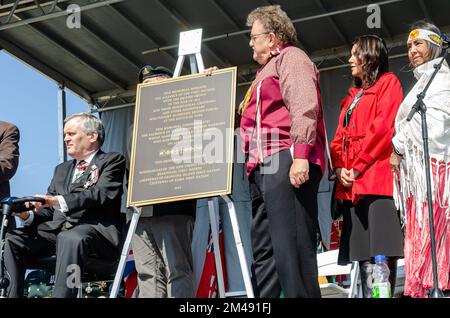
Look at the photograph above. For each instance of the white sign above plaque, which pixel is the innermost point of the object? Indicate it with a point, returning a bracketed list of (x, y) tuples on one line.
[(190, 42)]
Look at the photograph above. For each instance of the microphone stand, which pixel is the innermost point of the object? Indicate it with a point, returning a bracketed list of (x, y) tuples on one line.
[(9, 205), (4, 281), (420, 107)]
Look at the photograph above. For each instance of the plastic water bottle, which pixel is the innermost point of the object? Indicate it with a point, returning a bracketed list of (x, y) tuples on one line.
[(381, 288)]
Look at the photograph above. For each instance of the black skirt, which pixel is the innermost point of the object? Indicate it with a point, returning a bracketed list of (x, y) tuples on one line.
[(370, 228)]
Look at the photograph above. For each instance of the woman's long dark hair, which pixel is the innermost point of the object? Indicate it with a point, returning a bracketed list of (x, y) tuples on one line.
[(371, 51)]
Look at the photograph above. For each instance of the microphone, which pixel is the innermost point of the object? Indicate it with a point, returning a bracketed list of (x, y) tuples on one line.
[(7, 204), (8, 200), (28, 199), (445, 38), (14, 204)]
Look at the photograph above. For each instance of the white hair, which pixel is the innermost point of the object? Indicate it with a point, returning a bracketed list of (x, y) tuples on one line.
[(89, 123)]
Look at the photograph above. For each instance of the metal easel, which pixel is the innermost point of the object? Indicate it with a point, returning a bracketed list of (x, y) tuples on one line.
[(190, 45)]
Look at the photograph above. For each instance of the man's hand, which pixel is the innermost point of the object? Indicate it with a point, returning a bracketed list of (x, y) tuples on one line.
[(345, 177), (299, 172), (23, 215), (395, 161), (209, 71), (49, 202)]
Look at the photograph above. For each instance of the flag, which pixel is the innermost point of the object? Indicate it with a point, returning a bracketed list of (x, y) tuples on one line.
[(130, 277), (208, 287), (336, 232)]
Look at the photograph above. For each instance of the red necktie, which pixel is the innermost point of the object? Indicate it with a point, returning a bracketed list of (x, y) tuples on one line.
[(79, 169)]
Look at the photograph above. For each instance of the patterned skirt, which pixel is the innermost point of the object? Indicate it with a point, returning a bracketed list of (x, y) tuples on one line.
[(418, 259)]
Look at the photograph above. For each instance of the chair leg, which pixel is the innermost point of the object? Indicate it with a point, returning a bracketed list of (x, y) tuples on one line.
[(366, 278), (354, 278), (80, 291), (392, 264)]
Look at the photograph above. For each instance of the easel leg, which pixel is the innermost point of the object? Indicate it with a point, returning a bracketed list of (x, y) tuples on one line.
[(240, 248), (125, 249), (213, 207)]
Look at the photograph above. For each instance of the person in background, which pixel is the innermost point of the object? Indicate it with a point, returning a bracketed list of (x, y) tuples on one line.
[(283, 136), (9, 155), (360, 154), (424, 50)]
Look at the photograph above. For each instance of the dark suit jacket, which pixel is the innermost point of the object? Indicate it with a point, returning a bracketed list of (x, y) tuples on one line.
[(97, 203), (9, 155)]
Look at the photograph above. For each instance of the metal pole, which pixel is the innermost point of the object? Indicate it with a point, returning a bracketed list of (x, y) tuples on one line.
[(240, 248), (314, 17), (125, 249), (62, 151), (213, 207), (55, 15), (435, 292), (107, 109)]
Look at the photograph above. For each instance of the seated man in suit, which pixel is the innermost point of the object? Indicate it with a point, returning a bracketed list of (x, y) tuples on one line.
[(81, 215)]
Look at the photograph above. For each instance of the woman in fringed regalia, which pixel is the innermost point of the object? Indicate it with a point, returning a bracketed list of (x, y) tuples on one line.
[(424, 49)]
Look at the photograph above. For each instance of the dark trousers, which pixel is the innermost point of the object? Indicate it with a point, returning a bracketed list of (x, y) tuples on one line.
[(284, 232), (71, 248)]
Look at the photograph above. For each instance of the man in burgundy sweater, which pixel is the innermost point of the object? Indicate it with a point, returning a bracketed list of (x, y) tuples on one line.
[(283, 136)]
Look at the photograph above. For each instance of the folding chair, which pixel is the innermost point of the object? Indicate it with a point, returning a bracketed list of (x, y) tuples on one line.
[(95, 269), (327, 265)]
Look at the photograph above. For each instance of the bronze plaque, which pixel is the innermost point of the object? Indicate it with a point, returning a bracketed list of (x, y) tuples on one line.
[(183, 138)]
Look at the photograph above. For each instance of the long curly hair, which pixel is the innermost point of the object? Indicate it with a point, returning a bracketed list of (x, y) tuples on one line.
[(371, 51)]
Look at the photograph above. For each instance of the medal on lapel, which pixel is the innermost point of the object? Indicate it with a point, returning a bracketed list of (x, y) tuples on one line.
[(92, 178)]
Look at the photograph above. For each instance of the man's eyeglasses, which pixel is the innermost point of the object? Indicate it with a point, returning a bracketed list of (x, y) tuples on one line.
[(253, 37)]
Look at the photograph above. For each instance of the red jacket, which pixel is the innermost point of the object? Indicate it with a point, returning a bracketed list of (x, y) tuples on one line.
[(365, 144)]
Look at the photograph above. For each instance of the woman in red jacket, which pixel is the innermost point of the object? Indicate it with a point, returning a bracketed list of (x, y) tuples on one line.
[(360, 153)]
